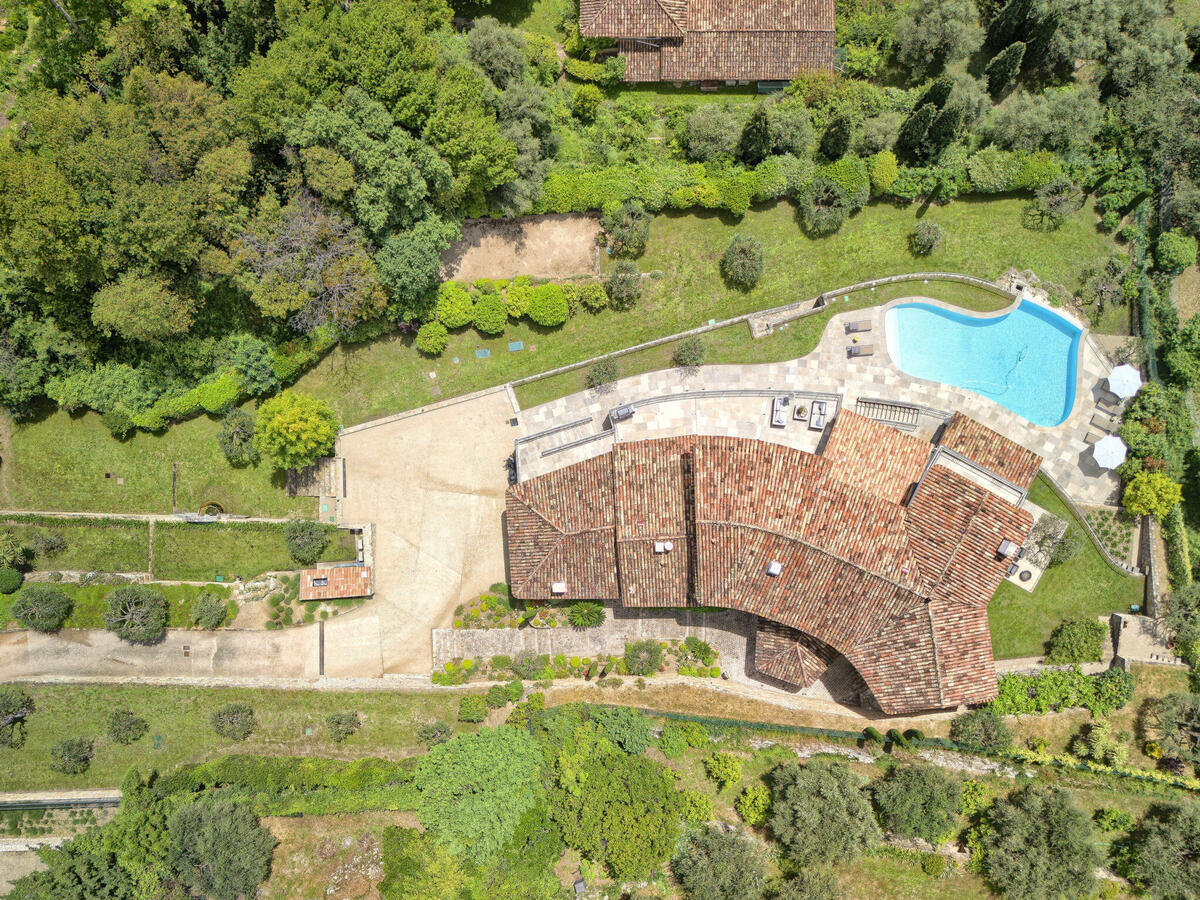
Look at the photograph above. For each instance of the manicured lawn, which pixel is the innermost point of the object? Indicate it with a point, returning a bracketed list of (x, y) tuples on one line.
[(538, 16), (96, 545), (181, 716), (202, 552), (984, 237), (1082, 587), (60, 463), (88, 603), (734, 344)]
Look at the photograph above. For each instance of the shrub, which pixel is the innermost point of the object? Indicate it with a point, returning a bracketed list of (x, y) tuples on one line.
[(586, 615), (496, 696), (340, 725), (925, 238), (432, 338), (41, 607), (118, 422), (234, 721), (1113, 819), (754, 804), (236, 438), (715, 864), (643, 657), (672, 741), (516, 296), (1039, 844), (690, 352), (627, 228), (628, 728), (472, 708), (433, 733), (601, 373), (593, 296), (1077, 640), (125, 727), (10, 580), (529, 665), (1175, 251), (72, 756), (819, 812), (852, 176), (918, 801), (624, 285), (695, 807), (585, 102), (548, 305), (883, 171), (823, 207), (306, 540), (742, 264), (724, 768), (295, 430), (934, 865), (491, 316), (454, 305), (209, 611), (137, 614), (981, 729), (1151, 494)]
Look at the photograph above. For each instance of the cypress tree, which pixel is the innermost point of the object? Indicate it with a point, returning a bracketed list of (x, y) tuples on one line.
[(1012, 23), (757, 137), (937, 93), (943, 129), (836, 140), (1002, 70), (910, 143)]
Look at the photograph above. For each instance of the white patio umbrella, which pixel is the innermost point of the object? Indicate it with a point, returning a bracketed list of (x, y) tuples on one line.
[(1109, 452), (1124, 381)]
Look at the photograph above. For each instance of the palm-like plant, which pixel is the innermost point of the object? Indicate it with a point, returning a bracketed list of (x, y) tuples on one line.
[(586, 615)]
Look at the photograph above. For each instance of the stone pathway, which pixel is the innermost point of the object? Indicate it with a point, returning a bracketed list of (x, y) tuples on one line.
[(735, 399)]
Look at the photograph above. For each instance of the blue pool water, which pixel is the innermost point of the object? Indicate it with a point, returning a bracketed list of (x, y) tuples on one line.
[(1024, 360)]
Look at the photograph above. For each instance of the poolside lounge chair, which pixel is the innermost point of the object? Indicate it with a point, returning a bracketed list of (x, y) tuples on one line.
[(856, 350), (1103, 422), (857, 327), (1092, 436)]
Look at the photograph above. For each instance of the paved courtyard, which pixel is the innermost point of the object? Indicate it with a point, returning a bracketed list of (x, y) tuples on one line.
[(735, 399)]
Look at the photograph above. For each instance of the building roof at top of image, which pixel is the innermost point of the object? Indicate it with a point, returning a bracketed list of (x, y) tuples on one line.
[(335, 582), (714, 40), (874, 549)]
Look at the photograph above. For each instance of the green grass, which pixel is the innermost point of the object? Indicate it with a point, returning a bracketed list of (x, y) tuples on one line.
[(882, 876), (1082, 587), (88, 603), (60, 463), (104, 545), (181, 717), (734, 344), (984, 238), (538, 16), (202, 552)]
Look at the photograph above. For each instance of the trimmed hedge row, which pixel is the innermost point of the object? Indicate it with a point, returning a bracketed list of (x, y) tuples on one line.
[(1179, 555), (287, 774), (679, 185)]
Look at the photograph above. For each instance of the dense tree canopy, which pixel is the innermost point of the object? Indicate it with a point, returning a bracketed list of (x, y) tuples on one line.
[(820, 812)]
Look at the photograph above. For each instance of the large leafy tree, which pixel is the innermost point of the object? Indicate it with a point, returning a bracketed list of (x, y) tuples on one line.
[(1039, 845), (219, 850), (918, 802), (820, 812), (1163, 856), (136, 613), (714, 864), (474, 789), (15, 707), (295, 430)]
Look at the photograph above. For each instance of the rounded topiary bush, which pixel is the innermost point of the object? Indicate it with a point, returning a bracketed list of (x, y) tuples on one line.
[(925, 238), (690, 353), (234, 721), (125, 726), (742, 264), (42, 607), (491, 316), (593, 296), (306, 540), (548, 305), (10, 580), (516, 296), (454, 305), (137, 614), (432, 338)]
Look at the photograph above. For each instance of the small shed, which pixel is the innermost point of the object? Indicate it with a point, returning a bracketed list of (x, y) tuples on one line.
[(336, 582)]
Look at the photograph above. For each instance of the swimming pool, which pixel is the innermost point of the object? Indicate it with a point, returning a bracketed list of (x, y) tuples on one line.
[(1023, 360)]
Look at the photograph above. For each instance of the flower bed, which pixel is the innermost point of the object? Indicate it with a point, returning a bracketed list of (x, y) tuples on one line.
[(1116, 530)]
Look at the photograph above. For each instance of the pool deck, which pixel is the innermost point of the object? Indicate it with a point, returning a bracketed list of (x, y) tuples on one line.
[(736, 400)]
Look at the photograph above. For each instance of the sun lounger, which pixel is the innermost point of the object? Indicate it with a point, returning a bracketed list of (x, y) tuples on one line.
[(1093, 436), (857, 327), (862, 350), (1103, 422)]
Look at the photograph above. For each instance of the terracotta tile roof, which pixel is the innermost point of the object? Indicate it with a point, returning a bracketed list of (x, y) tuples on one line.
[(991, 450), (701, 40), (900, 591), (335, 583), (895, 459)]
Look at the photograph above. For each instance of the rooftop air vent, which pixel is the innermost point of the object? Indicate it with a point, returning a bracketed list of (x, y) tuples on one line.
[(774, 567), (559, 587), (1007, 549), (663, 546)]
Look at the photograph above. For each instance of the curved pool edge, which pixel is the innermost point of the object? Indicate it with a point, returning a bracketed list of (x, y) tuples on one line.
[(1075, 386)]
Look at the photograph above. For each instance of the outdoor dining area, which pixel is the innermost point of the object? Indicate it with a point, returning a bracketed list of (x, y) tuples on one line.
[(1108, 450)]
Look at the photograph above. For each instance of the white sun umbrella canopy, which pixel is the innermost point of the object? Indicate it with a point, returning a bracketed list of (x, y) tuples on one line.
[(1124, 381), (1109, 452)]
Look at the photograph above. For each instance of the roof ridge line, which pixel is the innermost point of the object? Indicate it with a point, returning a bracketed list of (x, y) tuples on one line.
[(937, 656)]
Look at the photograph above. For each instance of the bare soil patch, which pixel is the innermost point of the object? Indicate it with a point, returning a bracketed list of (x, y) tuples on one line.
[(1187, 292), (551, 246), (329, 856)]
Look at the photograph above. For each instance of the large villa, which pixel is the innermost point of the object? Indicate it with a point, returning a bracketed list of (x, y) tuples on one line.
[(880, 550)]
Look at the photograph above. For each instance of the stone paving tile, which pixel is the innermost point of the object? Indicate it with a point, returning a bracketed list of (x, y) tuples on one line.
[(1065, 453)]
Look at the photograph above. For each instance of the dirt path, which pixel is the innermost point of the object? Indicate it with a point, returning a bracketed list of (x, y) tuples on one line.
[(542, 246)]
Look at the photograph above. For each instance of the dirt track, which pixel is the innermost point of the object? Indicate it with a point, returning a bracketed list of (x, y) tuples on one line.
[(543, 246)]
